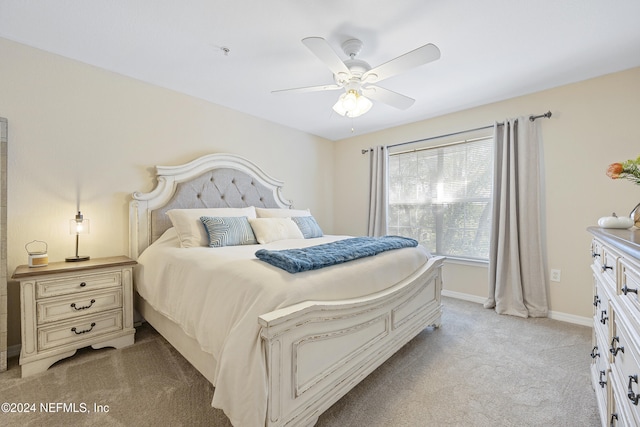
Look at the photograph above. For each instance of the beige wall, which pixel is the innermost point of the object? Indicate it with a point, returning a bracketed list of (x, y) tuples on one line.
[(593, 125), (81, 133)]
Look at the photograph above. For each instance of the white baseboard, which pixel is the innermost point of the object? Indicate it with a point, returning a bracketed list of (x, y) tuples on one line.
[(555, 315), (571, 318), (462, 296)]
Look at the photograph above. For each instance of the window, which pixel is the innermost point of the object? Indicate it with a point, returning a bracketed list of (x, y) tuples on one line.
[(441, 196)]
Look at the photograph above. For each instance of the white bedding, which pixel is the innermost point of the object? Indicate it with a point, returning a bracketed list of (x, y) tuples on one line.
[(217, 294)]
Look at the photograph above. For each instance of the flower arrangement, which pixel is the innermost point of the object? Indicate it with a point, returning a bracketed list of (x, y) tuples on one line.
[(626, 170)]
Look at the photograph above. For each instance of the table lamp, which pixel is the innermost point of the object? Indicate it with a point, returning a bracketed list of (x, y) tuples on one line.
[(78, 226)]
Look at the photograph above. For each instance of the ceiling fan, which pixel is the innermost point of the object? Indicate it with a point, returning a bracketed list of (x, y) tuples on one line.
[(357, 78)]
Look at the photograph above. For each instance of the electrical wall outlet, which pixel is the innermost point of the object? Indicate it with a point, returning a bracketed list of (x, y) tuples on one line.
[(555, 275)]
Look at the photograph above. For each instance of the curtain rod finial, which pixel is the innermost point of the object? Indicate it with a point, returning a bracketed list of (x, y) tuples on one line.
[(545, 115)]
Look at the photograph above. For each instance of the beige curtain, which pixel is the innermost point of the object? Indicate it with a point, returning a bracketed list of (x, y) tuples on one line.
[(378, 161), (517, 260)]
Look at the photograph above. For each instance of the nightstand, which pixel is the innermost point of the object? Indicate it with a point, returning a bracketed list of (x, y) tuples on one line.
[(69, 305)]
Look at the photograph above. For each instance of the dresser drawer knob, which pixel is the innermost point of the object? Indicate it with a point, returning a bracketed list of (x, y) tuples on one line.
[(602, 382), (614, 349), (603, 317), (596, 300), (73, 305), (84, 331), (594, 255), (626, 290), (606, 267), (593, 352), (83, 284), (633, 397)]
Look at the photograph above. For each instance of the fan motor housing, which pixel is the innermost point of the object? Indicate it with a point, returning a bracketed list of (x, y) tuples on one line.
[(356, 68)]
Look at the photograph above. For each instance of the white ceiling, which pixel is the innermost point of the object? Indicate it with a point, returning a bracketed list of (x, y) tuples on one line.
[(491, 49)]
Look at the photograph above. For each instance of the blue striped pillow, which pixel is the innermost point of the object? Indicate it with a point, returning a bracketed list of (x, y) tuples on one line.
[(228, 231), (308, 226)]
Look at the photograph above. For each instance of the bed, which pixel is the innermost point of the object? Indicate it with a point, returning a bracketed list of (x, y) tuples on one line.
[(280, 348)]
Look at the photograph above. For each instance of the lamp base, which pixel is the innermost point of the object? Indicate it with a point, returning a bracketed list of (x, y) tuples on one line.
[(77, 258)]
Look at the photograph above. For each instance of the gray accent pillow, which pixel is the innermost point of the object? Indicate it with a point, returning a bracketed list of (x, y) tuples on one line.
[(228, 231), (308, 226)]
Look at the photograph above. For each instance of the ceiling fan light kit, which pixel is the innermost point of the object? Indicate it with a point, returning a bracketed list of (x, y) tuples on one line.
[(355, 76), (352, 104)]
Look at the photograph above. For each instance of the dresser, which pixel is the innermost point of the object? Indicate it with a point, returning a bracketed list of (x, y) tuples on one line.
[(69, 305), (615, 356)]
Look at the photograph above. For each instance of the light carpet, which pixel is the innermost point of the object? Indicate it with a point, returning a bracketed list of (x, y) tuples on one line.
[(478, 369)]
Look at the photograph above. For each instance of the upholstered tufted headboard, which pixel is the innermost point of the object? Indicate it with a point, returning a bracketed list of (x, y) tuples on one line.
[(212, 181)]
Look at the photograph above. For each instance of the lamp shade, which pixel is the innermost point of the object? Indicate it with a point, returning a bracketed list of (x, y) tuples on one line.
[(77, 226), (352, 104)]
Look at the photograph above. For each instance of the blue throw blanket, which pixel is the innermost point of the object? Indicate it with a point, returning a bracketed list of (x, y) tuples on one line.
[(315, 257)]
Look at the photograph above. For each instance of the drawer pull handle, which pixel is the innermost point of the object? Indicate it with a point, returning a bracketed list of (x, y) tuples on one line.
[(594, 255), (614, 350), (631, 395), (601, 382), (83, 332), (614, 416), (596, 300), (626, 290), (606, 267), (83, 284), (73, 305), (603, 318), (593, 352)]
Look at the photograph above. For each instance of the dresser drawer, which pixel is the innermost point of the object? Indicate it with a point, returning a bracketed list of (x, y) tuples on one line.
[(601, 311), (619, 416), (599, 380), (626, 367), (596, 252), (604, 261), (75, 331), (77, 283), (609, 266), (54, 309), (629, 288)]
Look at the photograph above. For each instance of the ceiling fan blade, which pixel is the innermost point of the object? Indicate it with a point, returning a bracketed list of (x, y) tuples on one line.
[(387, 96), (415, 58), (320, 48), (309, 89)]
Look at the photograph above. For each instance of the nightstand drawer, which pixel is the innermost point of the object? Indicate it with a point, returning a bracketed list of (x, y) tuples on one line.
[(77, 283), (54, 309), (77, 330)]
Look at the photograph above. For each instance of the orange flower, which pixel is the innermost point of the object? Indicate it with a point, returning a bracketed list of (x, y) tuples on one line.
[(614, 170)]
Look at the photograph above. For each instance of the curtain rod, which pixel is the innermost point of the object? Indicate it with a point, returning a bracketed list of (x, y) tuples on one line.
[(531, 118)]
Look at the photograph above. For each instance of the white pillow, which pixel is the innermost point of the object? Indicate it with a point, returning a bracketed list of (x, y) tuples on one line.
[(272, 229), (190, 229), (281, 213)]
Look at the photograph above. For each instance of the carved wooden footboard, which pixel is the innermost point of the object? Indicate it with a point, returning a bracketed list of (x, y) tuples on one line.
[(318, 351)]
